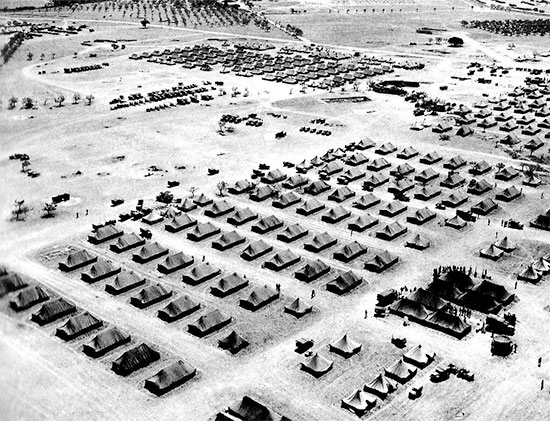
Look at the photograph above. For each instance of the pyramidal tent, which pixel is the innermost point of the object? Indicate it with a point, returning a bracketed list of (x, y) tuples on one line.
[(180, 307), (345, 346), (380, 386), (400, 371), (233, 342), (359, 402), (529, 274), (105, 342), (134, 359), (11, 282), (28, 298), (418, 356), (317, 365), (228, 285), (125, 281), (77, 326), (298, 308)]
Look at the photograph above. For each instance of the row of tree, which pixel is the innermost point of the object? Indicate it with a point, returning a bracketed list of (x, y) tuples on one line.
[(29, 103)]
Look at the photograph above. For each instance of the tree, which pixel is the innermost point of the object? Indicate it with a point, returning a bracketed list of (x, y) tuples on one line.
[(89, 99), (165, 197), (49, 210), (222, 187), (19, 210), (59, 100), (76, 98), (455, 42), (28, 103), (12, 102), (25, 165)]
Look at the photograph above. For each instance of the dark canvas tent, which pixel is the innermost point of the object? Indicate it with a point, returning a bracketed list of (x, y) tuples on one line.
[(208, 323), (125, 281), (274, 176), (484, 207), (356, 159), (478, 301), (367, 201), (378, 164), (317, 365), (479, 187), (345, 346), (242, 216), (28, 298), (407, 153), (249, 409), (509, 194), (150, 295), (529, 274), (365, 144), (312, 271), (454, 163), (104, 233), (77, 260), (127, 242), (498, 292), (429, 300), (542, 221), (175, 262), (402, 170), (380, 386), (452, 181), (381, 261), (262, 193), (421, 216), (480, 168), (152, 218), (200, 273), (455, 199), (295, 181), (400, 371), (100, 270), (332, 167), (491, 252), (286, 200), (344, 282), (149, 252), (506, 245), (341, 194), (77, 326), (350, 252), (431, 158), (298, 308), (414, 310), (228, 240), (241, 186), (228, 285), (282, 260), (292, 233), (309, 207), (449, 324), (219, 208), (52, 311), (335, 215), (456, 222), (180, 307), (267, 224), (170, 377), (202, 231), (317, 187), (426, 175), (393, 209), (361, 223), (320, 242), (233, 342), (385, 148), (359, 402), (259, 297), (255, 250), (418, 242), (202, 200), (418, 356), (105, 342), (542, 265), (391, 231), (10, 282), (507, 173), (134, 359), (180, 223)]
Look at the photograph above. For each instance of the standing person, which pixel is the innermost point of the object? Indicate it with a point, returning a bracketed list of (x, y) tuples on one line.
[(366, 313), (540, 361), (86, 212), (312, 294), (77, 215)]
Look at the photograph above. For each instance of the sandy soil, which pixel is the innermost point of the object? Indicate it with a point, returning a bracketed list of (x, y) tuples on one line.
[(48, 378)]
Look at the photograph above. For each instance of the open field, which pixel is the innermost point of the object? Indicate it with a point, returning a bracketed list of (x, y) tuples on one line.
[(96, 153)]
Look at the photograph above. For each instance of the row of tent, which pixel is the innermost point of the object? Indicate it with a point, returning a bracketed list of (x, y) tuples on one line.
[(536, 270), (400, 372), (102, 343)]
